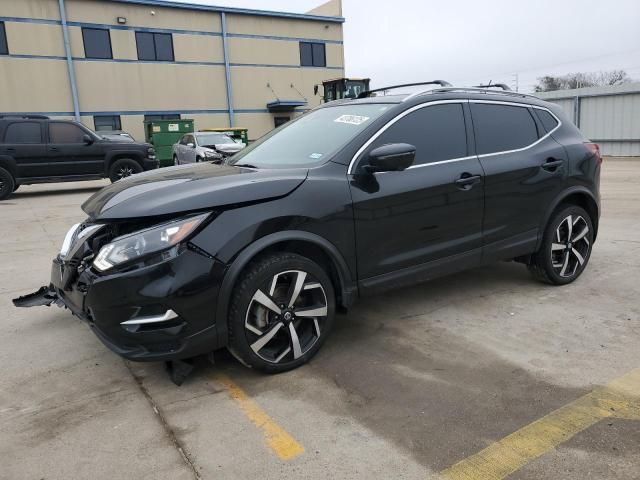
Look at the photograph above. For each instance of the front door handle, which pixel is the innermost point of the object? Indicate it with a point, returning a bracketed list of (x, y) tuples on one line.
[(552, 164), (466, 181)]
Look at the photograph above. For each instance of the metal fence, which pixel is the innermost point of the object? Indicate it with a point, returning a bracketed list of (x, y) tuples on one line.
[(609, 116)]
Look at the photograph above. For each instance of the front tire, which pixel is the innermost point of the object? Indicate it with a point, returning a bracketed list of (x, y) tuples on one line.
[(566, 247), (282, 309), (7, 184), (125, 167), (175, 160)]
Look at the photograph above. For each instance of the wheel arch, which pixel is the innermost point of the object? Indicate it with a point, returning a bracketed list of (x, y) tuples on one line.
[(9, 164), (303, 243), (575, 196)]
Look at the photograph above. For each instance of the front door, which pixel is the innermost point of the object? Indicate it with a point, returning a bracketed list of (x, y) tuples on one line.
[(24, 141), (68, 152), (426, 220), (525, 169)]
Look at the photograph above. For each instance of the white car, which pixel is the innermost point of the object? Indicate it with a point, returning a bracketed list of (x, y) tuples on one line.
[(204, 146)]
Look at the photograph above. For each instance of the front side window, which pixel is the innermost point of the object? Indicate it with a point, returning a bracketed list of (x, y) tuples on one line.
[(65, 133), (311, 139), (4, 48), (23, 132), (501, 128), (107, 122), (97, 43), (312, 54), (438, 133), (155, 46)]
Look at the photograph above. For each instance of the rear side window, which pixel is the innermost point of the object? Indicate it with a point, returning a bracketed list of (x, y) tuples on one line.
[(65, 133), (500, 128), (549, 122), (23, 132), (437, 132)]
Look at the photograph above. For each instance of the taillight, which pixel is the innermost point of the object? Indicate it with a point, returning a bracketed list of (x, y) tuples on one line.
[(594, 148)]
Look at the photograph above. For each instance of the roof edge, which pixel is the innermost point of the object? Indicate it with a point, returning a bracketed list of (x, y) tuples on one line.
[(239, 11)]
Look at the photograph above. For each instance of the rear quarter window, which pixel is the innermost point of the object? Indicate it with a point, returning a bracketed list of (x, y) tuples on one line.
[(549, 122), (500, 128)]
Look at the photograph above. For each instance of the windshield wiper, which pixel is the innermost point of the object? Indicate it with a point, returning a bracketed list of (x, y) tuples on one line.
[(244, 165)]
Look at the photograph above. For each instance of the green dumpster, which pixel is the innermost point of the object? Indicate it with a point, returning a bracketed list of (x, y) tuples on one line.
[(163, 134)]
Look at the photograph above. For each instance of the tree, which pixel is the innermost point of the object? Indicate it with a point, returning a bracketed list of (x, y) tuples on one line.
[(549, 83)]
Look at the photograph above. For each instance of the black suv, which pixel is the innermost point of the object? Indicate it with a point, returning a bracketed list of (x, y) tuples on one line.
[(34, 149), (352, 198)]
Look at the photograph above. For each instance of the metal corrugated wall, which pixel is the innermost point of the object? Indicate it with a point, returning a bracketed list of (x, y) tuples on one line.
[(609, 116)]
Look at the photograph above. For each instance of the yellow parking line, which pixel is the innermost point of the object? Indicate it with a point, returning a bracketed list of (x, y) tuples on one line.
[(621, 398), (283, 444)]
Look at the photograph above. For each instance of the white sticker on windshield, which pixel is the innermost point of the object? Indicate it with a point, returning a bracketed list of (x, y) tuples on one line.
[(315, 155), (352, 119)]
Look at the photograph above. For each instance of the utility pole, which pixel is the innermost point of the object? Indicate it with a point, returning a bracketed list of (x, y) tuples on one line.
[(515, 82)]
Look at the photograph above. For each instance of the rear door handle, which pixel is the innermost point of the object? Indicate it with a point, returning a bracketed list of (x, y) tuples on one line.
[(466, 181), (53, 149), (552, 164)]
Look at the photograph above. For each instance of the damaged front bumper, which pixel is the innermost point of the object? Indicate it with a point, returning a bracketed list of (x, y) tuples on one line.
[(164, 311)]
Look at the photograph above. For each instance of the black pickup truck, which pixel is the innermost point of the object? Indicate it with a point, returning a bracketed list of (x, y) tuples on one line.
[(36, 149)]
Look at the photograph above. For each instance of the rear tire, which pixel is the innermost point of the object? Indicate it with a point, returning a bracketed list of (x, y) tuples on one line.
[(175, 160), (125, 167), (566, 247), (7, 184), (282, 309)]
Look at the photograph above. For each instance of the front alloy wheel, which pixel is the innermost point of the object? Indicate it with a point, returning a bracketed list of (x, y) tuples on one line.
[(281, 313)]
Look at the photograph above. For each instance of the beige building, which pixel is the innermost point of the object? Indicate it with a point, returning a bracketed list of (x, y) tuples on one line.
[(113, 63)]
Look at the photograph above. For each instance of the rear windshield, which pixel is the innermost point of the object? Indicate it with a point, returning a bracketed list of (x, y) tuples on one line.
[(311, 139)]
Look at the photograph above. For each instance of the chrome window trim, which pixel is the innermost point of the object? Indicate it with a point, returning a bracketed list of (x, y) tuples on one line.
[(461, 101)]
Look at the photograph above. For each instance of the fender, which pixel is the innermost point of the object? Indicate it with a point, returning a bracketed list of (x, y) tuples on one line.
[(9, 163), (347, 285), (559, 199)]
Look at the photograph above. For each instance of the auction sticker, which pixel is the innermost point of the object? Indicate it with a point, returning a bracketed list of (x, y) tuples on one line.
[(351, 119)]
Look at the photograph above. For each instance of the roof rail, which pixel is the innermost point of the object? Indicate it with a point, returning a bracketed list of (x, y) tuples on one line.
[(503, 86), (367, 93), (30, 117), (509, 93)]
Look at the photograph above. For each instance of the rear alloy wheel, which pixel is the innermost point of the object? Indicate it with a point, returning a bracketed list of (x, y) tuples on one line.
[(123, 168), (281, 313), (7, 184), (566, 247)]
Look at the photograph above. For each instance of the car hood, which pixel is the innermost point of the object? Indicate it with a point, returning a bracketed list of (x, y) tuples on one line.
[(187, 188)]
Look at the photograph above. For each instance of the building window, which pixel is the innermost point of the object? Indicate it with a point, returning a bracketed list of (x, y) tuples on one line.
[(312, 54), (4, 48), (280, 121), (155, 46), (107, 122), (167, 116), (97, 43)]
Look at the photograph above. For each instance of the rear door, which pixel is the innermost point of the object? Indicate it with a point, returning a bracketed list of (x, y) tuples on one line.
[(24, 141), (69, 154), (426, 220), (525, 168)]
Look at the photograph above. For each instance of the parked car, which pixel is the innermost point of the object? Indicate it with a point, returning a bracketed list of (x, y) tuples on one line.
[(116, 135), (36, 149), (355, 197), (205, 146)]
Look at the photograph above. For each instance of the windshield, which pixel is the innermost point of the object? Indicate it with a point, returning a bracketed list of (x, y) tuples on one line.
[(310, 139), (212, 138)]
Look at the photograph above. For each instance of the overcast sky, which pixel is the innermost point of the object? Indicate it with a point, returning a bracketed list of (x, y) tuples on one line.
[(466, 42)]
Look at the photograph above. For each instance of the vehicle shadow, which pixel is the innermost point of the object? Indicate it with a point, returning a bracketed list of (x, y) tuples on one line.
[(66, 191)]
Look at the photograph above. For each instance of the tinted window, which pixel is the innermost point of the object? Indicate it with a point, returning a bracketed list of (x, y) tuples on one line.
[(548, 121), (97, 43), (277, 121), (4, 48), (437, 132), (500, 128), (65, 133), (154, 46), (107, 122), (312, 54), (23, 132)]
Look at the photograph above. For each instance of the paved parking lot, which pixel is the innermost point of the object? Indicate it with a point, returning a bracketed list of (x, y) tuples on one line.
[(483, 374)]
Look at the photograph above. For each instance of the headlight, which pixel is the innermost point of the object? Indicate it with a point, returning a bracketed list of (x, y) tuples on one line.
[(151, 152), (210, 153), (145, 242)]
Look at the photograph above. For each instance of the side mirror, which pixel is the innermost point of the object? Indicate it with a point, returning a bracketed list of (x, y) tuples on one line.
[(191, 145), (87, 139), (393, 157)]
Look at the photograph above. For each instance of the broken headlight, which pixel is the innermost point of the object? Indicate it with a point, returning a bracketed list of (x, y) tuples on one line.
[(145, 242)]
